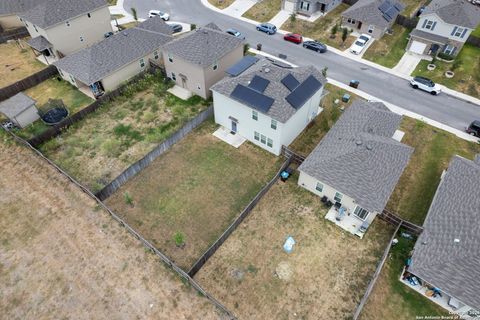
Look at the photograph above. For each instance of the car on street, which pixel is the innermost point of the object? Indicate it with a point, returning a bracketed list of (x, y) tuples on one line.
[(474, 128), (235, 33), (425, 84), (267, 28), (359, 45), (315, 46), (293, 37), (157, 13), (176, 27)]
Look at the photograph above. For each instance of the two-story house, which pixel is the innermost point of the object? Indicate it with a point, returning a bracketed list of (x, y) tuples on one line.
[(310, 7), (61, 27), (267, 104), (198, 59), (357, 165), (444, 26)]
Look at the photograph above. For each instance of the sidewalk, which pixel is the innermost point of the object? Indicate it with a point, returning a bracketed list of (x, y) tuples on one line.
[(239, 7), (280, 18)]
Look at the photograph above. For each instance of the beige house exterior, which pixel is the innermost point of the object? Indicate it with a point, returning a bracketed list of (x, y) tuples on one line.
[(10, 21)]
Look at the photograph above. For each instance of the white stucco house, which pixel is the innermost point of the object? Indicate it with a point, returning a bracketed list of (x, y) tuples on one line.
[(268, 104), (59, 28), (310, 7), (357, 165)]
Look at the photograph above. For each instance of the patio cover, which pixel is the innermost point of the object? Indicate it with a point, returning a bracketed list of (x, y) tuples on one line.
[(39, 43), (15, 105)]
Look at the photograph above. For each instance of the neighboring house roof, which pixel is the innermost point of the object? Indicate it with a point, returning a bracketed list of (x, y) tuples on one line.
[(11, 7), (39, 43), (449, 264), (52, 12), (457, 12), (370, 11), (358, 157), (203, 46), (275, 91), (155, 25), (15, 105), (93, 63), (429, 36)]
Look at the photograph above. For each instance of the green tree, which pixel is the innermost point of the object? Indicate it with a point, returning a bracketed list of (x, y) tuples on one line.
[(293, 18), (334, 30), (344, 35), (179, 239)]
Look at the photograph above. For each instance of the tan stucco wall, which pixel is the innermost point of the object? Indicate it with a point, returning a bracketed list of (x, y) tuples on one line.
[(377, 32), (9, 22), (213, 76)]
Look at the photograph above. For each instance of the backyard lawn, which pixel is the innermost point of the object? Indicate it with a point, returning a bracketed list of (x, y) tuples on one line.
[(434, 149), (389, 50), (476, 32), (321, 29), (98, 148), (264, 10), (185, 199), (467, 74), (391, 299), (221, 4), (323, 278), (17, 63), (412, 6)]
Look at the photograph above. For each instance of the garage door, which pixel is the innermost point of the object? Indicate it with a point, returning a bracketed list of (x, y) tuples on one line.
[(289, 6), (418, 47)]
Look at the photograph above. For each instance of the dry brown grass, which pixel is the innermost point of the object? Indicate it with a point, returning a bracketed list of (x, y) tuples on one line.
[(221, 4), (17, 63), (63, 257), (196, 189), (264, 10), (323, 278)]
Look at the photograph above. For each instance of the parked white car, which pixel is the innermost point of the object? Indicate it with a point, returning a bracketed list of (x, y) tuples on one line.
[(360, 44), (425, 84), (154, 13)]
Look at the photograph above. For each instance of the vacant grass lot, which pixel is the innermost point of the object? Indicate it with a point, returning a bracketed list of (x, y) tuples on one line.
[(193, 192), (98, 148), (63, 257), (321, 29), (313, 134), (17, 61), (264, 10), (323, 278), (434, 149), (221, 4), (391, 299), (389, 50), (467, 75)]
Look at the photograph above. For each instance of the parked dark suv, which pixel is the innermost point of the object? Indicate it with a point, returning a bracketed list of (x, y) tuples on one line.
[(474, 128)]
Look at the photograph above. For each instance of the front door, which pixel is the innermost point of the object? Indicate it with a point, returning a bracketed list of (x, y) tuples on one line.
[(322, 7), (234, 127), (359, 25)]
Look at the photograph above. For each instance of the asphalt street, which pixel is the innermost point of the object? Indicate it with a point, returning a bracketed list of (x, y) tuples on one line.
[(442, 108)]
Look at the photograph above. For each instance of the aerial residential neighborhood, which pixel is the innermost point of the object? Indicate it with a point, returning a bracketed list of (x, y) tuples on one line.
[(239, 159)]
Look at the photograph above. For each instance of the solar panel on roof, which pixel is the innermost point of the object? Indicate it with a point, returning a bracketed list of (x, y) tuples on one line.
[(390, 13), (252, 98), (303, 92), (398, 6), (290, 82), (385, 6), (258, 84), (242, 65)]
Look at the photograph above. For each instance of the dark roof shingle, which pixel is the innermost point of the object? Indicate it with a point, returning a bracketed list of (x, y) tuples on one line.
[(367, 11), (15, 105)]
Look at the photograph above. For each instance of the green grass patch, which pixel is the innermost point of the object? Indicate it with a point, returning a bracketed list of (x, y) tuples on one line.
[(476, 32), (390, 48)]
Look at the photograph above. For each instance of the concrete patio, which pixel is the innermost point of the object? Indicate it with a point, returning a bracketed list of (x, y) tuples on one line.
[(180, 92), (349, 222), (224, 134)]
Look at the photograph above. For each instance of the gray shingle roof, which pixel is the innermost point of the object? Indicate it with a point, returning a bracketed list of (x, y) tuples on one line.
[(15, 105), (457, 12), (39, 43), (429, 36), (203, 46), (156, 24), (358, 157), (367, 11), (281, 110), (453, 267), (107, 56), (52, 12), (10, 7)]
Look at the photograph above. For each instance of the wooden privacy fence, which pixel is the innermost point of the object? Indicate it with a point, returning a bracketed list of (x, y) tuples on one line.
[(375, 276), (289, 153), (406, 21), (28, 82), (132, 231), (394, 219), (13, 34), (473, 40), (141, 164), (245, 213)]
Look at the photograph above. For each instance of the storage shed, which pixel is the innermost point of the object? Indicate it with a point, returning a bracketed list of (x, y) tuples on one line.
[(20, 109)]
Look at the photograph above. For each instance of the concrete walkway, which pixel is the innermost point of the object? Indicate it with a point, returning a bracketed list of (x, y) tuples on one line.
[(407, 63), (239, 7), (280, 18)]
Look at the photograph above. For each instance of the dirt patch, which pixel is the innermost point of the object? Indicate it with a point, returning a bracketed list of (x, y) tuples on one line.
[(61, 255)]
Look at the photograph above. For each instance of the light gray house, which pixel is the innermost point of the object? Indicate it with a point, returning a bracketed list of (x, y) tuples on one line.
[(447, 253), (310, 7), (267, 104), (20, 109), (107, 64), (373, 17), (444, 26), (59, 28), (198, 59), (357, 165)]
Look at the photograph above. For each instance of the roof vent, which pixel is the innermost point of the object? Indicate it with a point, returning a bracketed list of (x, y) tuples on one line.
[(125, 33), (456, 240), (369, 146), (358, 142), (267, 70)]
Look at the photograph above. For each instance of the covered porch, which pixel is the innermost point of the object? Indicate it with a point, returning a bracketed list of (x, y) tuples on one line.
[(347, 221), (43, 50), (94, 90)]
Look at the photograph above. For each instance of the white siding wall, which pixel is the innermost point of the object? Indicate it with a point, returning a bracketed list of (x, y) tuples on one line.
[(441, 28), (310, 183)]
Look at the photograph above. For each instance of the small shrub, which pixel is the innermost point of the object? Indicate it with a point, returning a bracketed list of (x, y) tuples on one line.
[(344, 35), (334, 30), (293, 18), (456, 64), (445, 56), (128, 199), (179, 239), (246, 47), (122, 130), (193, 26)]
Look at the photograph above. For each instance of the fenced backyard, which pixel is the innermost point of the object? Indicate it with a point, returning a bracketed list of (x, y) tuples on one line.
[(26, 83)]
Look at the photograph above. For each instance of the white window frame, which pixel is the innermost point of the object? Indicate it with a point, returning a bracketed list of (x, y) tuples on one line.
[(459, 31), (449, 49), (67, 23), (256, 136), (174, 76), (72, 79), (269, 143), (429, 24), (142, 63), (81, 39), (254, 115), (371, 28), (170, 58), (338, 196), (263, 139), (273, 124), (35, 27), (155, 54), (360, 209), (60, 72), (305, 6), (319, 187), (215, 66)]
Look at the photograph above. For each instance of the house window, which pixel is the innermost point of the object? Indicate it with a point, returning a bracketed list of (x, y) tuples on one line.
[(26, 24), (352, 21), (338, 197), (269, 142), (67, 23), (81, 39), (305, 5), (155, 54), (256, 136), (319, 187), (60, 72), (142, 63), (72, 79), (429, 25), (35, 27), (360, 212), (254, 115), (273, 124), (263, 139), (459, 32), (170, 58), (198, 87), (89, 15), (215, 66), (371, 28), (174, 77), (449, 49)]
